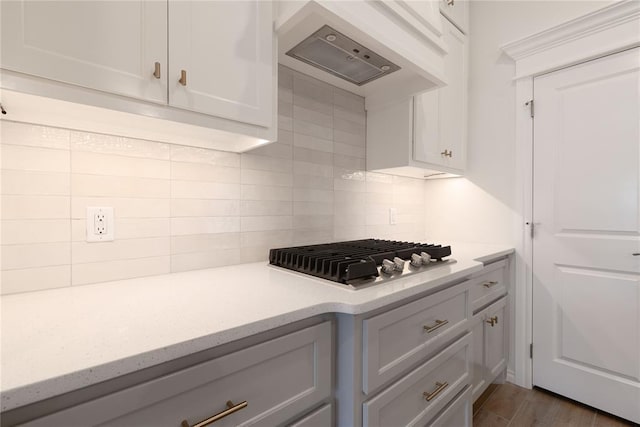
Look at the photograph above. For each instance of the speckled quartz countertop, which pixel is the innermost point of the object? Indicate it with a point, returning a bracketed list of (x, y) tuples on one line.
[(61, 340)]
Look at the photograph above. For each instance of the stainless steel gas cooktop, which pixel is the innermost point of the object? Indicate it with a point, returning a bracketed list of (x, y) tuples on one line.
[(361, 262)]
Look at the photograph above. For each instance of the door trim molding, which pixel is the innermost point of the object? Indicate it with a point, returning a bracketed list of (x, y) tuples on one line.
[(611, 29)]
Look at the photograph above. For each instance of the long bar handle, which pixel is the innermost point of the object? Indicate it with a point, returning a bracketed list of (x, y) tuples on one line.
[(156, 70), (439, 387), (490, 283), (493, 321), (231, 408), (439, 324)]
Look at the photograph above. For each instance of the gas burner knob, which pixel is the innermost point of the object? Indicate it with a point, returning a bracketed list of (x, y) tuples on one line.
[(387, 266), (398, 263), (426, 258), (416, 260)]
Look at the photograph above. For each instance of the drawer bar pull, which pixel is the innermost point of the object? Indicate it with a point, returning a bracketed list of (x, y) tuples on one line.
[(490, 283), (439, 387), (231, 408), (493, 321), (439, 323)]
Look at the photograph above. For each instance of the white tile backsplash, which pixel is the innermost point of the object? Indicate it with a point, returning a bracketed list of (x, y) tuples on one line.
[(86, 273), (17, 157), (35, 136), (181, 208), (34, 207), (86, 162), (20, 182)]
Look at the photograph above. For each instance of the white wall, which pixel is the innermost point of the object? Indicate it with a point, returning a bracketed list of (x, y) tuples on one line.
[(480, 207)]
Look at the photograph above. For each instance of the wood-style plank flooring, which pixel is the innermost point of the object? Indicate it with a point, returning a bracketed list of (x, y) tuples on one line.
[(509, 405)]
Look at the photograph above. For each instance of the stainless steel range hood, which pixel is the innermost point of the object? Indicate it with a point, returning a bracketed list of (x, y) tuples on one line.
[(335, 53)]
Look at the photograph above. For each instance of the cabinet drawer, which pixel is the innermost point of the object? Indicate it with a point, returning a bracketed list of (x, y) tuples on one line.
[(489, 286), (440, 379), (322, 417), (278, 379), (458, 414), (398, 339)]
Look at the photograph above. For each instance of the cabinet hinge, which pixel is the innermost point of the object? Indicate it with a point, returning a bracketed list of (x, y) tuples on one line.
[(531, 351), (531, 108)]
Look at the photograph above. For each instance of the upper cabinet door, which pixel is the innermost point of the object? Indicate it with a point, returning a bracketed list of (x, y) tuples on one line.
[(222, 58), (111, 46), (440, 121), (457, 12)]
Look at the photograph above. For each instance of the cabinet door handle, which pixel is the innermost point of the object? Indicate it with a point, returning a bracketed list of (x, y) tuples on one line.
[(156, 70), (231, 408), (490, 283), (183, 77), (439, 323), (450, 2), (493, 321), (446, 153), (439, 387)]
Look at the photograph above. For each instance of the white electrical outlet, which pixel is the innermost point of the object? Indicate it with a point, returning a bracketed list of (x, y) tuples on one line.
[(393, 212), (100, 226)]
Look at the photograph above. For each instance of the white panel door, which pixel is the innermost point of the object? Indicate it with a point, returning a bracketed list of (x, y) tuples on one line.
[(586, 268), (440, 120), (224, 51), (110, 46)]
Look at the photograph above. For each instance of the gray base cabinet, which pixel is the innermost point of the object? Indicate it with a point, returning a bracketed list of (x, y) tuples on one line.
[(266, 384), (489, 326)]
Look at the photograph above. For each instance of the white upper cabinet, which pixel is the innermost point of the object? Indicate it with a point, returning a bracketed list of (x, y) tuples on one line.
[(457, 11), (441, 115), (221, 58), (425, 135), (199, 72), (104, 45)]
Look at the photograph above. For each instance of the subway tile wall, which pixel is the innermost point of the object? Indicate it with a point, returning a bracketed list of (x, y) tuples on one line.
[(180, 208)]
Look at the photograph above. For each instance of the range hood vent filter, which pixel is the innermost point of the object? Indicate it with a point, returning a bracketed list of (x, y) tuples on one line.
[(337, 54)]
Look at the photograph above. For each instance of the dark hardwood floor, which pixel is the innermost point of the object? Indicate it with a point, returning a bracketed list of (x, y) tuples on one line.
[(509, 405)]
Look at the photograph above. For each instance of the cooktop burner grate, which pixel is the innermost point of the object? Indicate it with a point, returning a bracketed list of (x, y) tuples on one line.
[(347, 262)]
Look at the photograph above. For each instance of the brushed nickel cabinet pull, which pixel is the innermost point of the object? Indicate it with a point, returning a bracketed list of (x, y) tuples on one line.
[(439, 387), (445, 153), (156, 70), (183, 77), (493, 321), (439, 323), (231, 408), (490, 283)]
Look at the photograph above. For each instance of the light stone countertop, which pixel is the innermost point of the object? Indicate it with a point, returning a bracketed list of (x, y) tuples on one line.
[(60, 340)]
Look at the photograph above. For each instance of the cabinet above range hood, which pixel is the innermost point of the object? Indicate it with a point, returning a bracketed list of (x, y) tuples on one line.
[(382, 50)]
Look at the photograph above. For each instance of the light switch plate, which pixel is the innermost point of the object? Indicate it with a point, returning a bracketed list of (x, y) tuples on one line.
[(393, 216), (100, 224)]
